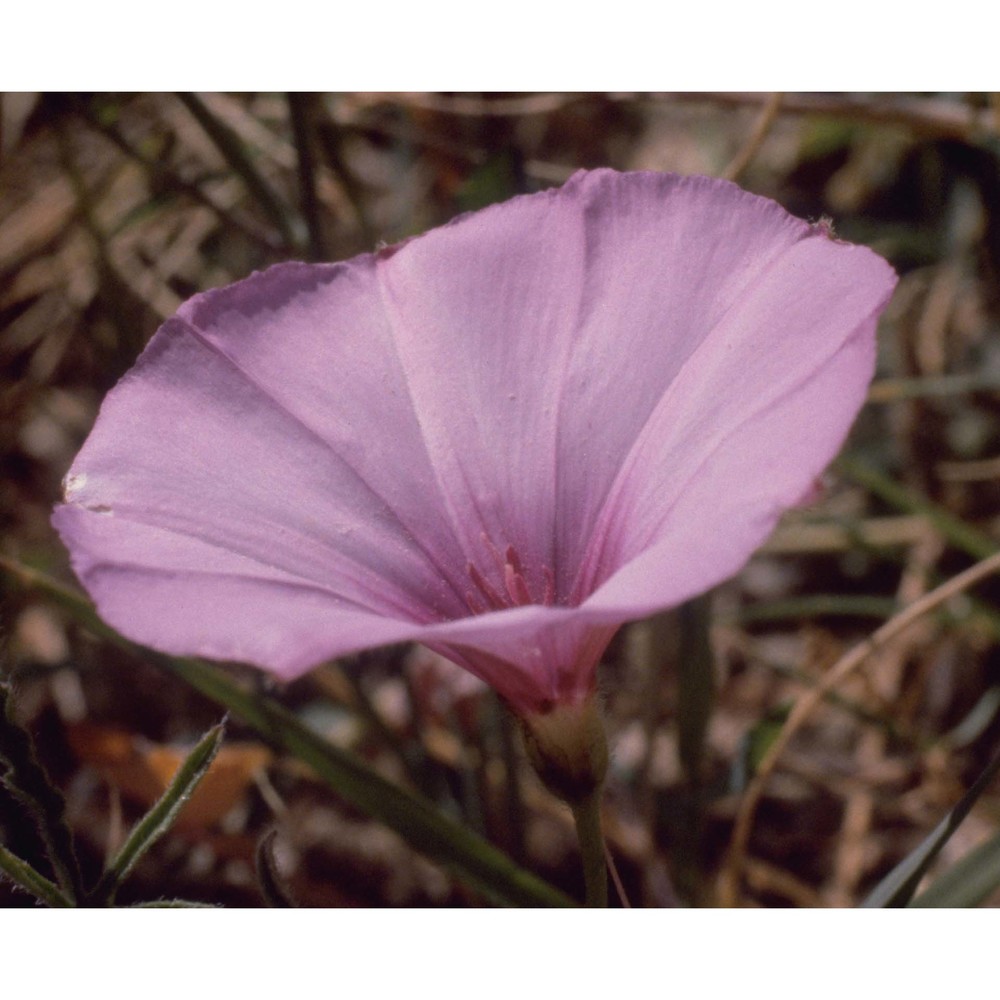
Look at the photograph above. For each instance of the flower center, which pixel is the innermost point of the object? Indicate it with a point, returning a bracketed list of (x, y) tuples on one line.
[(514, 590)]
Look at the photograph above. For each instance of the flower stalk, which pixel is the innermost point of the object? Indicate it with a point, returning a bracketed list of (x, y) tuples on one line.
[(568, 748), (587, 816)]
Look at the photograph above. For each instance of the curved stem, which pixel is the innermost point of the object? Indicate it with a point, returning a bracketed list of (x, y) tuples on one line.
[(587, 816)]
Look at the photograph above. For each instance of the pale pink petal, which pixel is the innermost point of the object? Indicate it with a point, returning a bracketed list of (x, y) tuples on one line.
[(255, 443), (757, 413), (539, 335), (597, 399)]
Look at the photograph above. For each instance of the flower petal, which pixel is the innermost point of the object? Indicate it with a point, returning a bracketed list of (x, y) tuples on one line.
[(756, 414), (520, 328), (624, 381), (186, 597)]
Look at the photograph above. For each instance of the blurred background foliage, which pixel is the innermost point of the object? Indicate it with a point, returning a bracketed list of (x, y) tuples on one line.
[(114, 208)]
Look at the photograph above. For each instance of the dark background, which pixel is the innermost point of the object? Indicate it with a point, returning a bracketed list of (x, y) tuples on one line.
[(114, 208)]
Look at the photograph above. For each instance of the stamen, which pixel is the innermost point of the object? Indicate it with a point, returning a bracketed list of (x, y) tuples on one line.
[(495, 601), (515, 583), (514, 560), (494, 551), (516, 586)]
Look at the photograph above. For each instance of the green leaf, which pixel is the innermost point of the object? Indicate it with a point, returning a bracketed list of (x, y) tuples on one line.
[(33, 883), (969, 882), (161, 817), (898, 887), (471, 858)]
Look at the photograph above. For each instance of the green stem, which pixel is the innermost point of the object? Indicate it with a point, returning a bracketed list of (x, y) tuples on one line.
[(587, 816)]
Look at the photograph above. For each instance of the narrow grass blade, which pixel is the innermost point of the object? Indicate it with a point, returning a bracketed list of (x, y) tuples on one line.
[(229, 144), (754, 746), (453, 845), (164, 178), (161, 817), (468, 856), (299, 107), (26, 779), (818, 606), (33, 883), (962, 536), (968, 883), (898, 887)]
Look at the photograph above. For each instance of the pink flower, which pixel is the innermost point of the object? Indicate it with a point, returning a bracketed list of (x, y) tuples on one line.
[(502, 439)]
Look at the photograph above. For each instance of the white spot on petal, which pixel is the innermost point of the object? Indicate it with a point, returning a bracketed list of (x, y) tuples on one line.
[(73, 484)]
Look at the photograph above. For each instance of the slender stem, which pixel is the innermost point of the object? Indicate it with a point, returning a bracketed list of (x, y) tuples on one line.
[(587, 815)]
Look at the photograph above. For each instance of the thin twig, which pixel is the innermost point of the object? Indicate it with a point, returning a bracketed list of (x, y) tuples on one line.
[(162, 172), (936, 118), (242, 164), (751, 148), (850, 861), (807, 703), (468, 105), (895, 390), (616, 878)]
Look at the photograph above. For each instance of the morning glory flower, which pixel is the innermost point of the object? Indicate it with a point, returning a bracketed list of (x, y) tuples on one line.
[(502, 439)]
